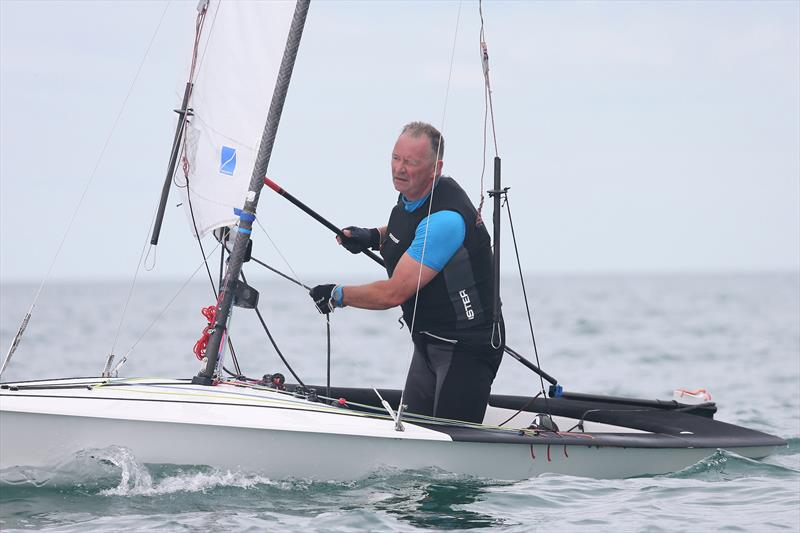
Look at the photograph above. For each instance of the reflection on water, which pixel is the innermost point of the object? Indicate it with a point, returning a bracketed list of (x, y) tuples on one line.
[(441, 506)]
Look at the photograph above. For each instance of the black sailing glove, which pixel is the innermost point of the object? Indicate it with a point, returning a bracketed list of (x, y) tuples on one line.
[(360, 239), (327, 297)]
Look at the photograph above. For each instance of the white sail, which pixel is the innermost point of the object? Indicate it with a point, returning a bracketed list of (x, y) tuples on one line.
[(238, 58)]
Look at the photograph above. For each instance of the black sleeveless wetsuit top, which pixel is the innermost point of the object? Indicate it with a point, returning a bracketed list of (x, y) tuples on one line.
[(457, 303)]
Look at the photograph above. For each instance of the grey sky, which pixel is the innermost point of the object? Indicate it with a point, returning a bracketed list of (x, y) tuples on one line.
[(635, 136)]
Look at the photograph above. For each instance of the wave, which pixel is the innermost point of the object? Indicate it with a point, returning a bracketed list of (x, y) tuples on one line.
[(728, 465), (115, 471)]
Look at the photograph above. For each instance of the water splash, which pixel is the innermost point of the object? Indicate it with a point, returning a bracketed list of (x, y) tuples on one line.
[(87, 470), (134, 476)]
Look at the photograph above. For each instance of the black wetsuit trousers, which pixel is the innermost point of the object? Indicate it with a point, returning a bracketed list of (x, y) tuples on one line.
[(449, 380)]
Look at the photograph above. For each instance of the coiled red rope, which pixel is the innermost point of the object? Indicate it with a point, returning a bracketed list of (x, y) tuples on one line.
[(200, 346)]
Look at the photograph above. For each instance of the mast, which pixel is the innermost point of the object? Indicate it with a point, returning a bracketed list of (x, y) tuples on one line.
[(247, 214)]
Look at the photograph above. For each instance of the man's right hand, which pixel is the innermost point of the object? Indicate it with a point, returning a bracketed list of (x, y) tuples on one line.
[(356, 240)]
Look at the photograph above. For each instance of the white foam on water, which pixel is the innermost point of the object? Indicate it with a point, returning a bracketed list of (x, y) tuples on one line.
[(189, 482)]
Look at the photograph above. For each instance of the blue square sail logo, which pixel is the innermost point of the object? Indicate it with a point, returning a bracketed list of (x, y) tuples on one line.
[(227, 160)]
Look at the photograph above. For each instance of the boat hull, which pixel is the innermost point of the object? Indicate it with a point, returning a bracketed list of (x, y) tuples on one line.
[(282, 436), (49, 439)]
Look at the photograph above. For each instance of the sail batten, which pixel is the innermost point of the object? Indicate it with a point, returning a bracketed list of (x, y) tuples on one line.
[(240, 53)]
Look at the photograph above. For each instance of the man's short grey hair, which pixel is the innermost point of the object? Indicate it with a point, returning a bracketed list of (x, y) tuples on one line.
[(418, 129)]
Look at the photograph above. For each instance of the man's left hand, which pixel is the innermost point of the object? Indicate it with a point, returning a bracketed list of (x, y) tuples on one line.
[(356, 240)]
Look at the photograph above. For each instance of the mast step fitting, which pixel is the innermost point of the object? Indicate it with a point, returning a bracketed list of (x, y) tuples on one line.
[(202, 380)]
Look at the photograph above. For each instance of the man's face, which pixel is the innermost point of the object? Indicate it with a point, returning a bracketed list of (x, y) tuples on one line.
[(413, 166)]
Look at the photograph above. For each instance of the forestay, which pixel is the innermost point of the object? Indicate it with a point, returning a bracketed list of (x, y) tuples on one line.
[(238, 57)]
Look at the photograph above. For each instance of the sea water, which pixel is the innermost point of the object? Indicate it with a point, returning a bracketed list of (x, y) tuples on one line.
[(738, 336)]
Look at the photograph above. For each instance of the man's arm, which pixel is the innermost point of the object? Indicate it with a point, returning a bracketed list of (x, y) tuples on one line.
[(415, 268), (385, 294), (445, 235)]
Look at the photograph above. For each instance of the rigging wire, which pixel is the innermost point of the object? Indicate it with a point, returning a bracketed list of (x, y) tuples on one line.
[(525, 294), (111, 355), (89, 183), (159, 316), (282, 257), (488, 105), (230, 342), (221, 260), (489, 113), (433, 188)]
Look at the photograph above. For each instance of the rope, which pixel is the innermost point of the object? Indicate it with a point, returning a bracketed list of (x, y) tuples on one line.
[(200, 346), (274, 344), (488, 106), (89, 182), (328, 331), (278, 272), (523, 408), (193, 70)]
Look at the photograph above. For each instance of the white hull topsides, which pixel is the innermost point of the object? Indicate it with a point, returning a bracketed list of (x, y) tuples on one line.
[(272, 432)]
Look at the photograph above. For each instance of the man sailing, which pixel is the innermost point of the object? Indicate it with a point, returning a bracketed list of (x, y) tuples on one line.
[(439, 260)]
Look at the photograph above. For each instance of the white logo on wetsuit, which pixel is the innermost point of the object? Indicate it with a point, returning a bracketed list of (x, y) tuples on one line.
[(467, 304), (395, 239)]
